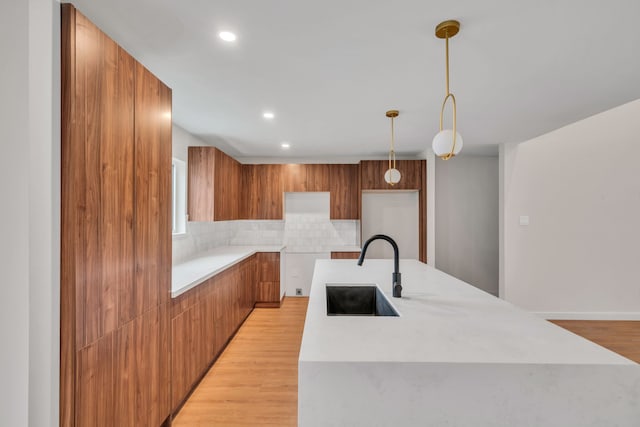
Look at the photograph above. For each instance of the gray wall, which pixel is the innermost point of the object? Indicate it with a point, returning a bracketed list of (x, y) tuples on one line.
[(466, 220), (29, 223)]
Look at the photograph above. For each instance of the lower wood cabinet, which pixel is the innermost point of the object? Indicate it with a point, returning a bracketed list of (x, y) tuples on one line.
[(202, 322), (268, 279)]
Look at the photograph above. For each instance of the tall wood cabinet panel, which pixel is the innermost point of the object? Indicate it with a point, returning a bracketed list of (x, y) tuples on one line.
[(344, 185), (261, 189), (116, 238), (213, 185)]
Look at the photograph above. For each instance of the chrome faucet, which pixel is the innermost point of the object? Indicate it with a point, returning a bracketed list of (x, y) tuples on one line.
[(397, 280)]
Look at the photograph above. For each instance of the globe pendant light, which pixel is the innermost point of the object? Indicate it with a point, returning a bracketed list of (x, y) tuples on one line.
[(447, 143), (392, 175)]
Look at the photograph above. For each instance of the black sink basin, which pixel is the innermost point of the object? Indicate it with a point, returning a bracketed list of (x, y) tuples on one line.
[(349, 300)]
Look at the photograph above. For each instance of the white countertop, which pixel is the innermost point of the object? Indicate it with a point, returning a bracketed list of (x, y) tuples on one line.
[(442, 320), (191, 273), (456, 356)]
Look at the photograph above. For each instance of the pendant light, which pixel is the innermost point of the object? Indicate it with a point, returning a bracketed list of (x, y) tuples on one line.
[(447, 143), (392, 175)]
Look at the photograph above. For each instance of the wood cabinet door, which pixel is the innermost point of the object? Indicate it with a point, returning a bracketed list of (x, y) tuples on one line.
[(261, 192), (268, 277), (226, 187), (344, 184), (200, 180), (317, 177)]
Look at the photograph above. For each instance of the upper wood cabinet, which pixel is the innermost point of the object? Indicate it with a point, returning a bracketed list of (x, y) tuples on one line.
[(115, 233), (261, 192), (300, 177), (372, 173), (213, 185), (344, 185)]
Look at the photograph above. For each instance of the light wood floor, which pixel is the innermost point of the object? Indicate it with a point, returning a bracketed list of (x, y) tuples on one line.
[(623, 337), (255, 380)]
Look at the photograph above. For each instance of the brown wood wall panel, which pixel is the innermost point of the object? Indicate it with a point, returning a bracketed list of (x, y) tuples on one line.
[(116, 235), (200, 183), (344, 185)]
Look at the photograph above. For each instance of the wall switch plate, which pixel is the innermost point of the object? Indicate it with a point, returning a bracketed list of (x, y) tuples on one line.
[(524, 219), (299, 291)]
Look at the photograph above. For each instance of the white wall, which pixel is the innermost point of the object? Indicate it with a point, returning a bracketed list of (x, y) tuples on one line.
[(29, 184), (466, 225), (396, 214), (14, 226), (580, 187)]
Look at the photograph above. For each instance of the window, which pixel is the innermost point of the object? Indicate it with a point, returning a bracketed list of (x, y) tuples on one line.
[(178, 197)]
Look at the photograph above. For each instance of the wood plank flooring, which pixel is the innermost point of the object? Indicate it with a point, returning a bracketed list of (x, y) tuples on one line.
[(255, 380), (623, 337)]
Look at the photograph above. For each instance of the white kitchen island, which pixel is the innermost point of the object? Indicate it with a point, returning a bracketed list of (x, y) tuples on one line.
[(456, 356)]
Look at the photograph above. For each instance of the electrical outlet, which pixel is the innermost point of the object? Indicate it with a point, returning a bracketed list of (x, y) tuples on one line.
[(299, 291)]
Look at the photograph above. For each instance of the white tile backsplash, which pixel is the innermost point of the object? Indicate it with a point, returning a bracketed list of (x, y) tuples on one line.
[(299, 232)]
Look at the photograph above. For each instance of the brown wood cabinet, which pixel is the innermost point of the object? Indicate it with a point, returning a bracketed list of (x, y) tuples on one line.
[(115, 233), (261, 192), (268, 279), (203, 320), (214, 180), (305, 177), (344, 185), (372, 173), (345, 255)]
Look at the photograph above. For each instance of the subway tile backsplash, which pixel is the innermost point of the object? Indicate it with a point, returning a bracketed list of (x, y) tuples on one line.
[(299, 232)]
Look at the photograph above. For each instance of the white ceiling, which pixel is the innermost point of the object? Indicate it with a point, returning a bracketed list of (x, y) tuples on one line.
[(330, 69)]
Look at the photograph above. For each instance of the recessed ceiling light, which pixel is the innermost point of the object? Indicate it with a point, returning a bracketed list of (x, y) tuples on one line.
[(227, 36), (268, 115), (285, 145)]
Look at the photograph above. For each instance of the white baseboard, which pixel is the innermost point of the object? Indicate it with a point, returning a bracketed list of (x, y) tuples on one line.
[(603, 315)]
